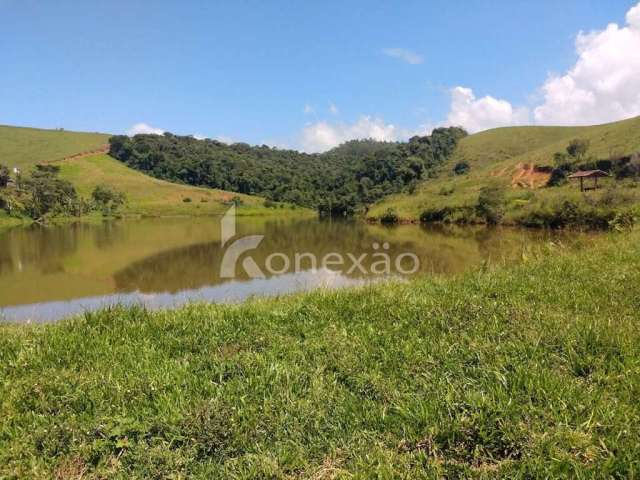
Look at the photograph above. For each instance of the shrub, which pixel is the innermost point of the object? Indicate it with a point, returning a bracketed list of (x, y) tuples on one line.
[(461, 168), (4, 176), (187, 200), (622, 221), (490, 206), (627, 167), (48, 194), (269, 204), (578, 148), (449, 215), (389, 217), (433, 215), (107, 198), (558, 177), (570, 213)]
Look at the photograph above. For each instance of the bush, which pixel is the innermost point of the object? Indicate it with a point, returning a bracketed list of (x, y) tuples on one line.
[(570, 213), (433, 215), (4, 176), (622, 221), (107, 199), (490, 206), (461, 215), (578, 148), (389, 217), (187, 200), (461, 168), (269, 204), (627, 167), (558, 177), (48, 194)]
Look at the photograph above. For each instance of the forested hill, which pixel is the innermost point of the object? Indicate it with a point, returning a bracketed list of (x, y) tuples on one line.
[(340, 181)]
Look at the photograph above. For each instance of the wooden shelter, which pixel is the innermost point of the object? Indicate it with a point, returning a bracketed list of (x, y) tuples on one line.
[(595, 174)]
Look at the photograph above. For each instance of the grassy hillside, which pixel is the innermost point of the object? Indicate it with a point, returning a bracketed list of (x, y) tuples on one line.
[(24, 147), (150, 196), (507, 156), (529, 372)]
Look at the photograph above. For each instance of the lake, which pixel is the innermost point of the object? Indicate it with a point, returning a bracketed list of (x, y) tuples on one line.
[(49, 273)]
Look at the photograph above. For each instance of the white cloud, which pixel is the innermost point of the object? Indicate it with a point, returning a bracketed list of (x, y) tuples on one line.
[(322, 136), (476, 114), (633, 17), (144, 128), (403, 54), (333, 109), (308, 109), (604, 83)]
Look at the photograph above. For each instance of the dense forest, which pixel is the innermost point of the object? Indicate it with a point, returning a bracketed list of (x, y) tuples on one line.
[(338, 182)]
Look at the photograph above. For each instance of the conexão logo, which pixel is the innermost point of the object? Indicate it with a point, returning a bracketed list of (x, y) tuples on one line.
[(278, 263)]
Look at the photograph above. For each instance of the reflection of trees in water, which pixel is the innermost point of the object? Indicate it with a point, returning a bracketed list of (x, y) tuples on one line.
[(44, 248), (440, 250), (173, 270), (108, 233)]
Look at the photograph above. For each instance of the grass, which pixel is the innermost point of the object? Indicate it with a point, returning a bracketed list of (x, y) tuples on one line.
[(527, 372), (7, 221), (496, 155), (153, 197), (25, 147)]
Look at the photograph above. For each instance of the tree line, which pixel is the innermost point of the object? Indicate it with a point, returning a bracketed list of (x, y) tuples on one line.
[(341, 181)]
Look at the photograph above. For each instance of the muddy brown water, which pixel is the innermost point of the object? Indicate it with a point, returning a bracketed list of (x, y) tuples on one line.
[(50, 273)]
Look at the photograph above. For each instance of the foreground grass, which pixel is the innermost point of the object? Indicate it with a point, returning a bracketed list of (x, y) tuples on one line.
[(532, 371)]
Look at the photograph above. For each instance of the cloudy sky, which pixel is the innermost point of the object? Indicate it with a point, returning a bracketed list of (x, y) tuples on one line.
[(310, 75)]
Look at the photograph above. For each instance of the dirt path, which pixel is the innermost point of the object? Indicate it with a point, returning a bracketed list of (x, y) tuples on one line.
[(97, 151)]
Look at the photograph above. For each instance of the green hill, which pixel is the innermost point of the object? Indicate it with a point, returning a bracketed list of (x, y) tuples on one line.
[(24, 147), (150, 196), (83, 162), (512, 157)]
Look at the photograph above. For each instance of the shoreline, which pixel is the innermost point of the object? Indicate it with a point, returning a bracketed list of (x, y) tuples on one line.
[(454, 376)]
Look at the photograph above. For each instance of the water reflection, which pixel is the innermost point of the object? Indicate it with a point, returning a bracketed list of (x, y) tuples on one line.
[(50, 273)]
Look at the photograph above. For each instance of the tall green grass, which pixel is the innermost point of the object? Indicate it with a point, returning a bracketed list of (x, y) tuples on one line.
[(526, 372)]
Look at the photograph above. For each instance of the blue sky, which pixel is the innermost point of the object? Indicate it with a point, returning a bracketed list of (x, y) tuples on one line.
[(309, 74)]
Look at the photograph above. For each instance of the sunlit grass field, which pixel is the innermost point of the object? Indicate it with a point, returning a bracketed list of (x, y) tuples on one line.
[(494, 157), (531, 371), (150, 196), (25, 147)]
